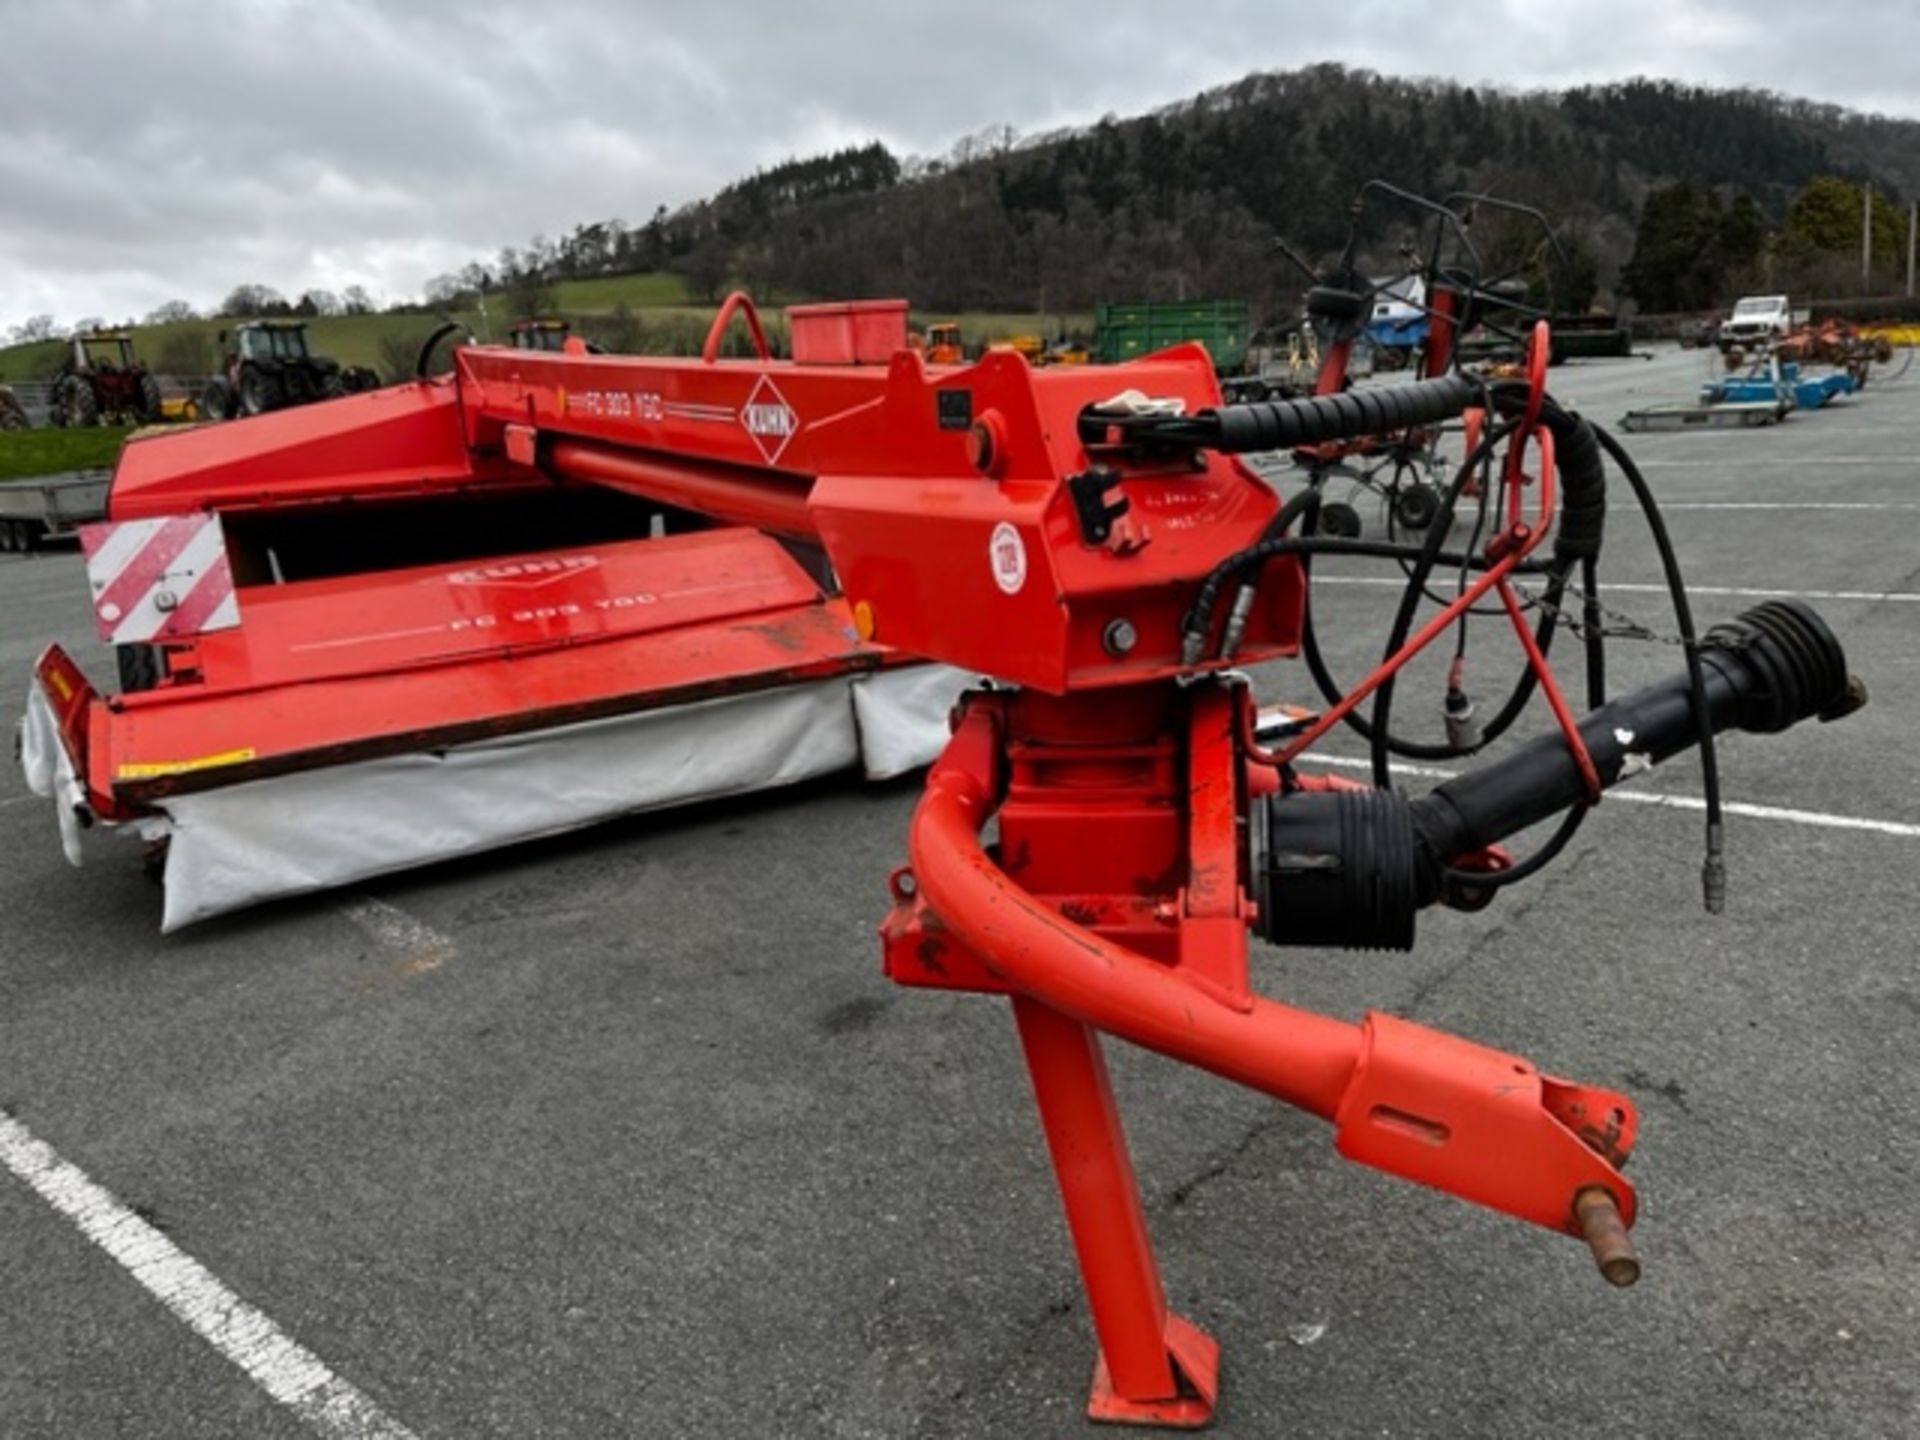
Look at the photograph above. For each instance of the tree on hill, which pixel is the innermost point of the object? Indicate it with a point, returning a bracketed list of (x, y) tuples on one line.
[(1690, 250), (1819, 245), (187, 352), (706, 266), (33, 330), (248, 300), (529, 296)]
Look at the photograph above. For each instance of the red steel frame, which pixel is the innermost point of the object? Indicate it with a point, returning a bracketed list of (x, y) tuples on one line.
[(1117, 897)]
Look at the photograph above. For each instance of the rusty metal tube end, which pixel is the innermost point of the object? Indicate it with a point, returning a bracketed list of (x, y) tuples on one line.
[(1606, 1236)]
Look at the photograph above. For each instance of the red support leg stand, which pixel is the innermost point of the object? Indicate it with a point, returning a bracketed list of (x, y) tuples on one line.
[(1155, 1368)]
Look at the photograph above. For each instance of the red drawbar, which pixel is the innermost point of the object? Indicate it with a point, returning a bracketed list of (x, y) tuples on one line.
[(1115, 903)]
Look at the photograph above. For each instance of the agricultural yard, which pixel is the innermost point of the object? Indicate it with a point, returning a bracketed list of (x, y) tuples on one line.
[(669, 320), (624, 1133)]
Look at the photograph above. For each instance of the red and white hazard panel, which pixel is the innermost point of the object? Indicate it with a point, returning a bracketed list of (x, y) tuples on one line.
[(159, 579)]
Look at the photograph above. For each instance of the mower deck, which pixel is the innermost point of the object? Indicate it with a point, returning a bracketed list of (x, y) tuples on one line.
[(356, 725)]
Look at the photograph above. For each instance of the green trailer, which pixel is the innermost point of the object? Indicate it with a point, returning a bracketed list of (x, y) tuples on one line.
[(1126, 332), (1225, 327)]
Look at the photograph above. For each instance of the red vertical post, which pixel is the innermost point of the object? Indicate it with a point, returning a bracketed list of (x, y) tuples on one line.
[(1155, 1368)]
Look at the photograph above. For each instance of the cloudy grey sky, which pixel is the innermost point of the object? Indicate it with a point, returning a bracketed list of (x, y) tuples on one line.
[(153, 151)]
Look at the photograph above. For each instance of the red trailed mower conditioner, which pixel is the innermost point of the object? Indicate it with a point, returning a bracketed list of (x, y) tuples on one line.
[(1090, 539)]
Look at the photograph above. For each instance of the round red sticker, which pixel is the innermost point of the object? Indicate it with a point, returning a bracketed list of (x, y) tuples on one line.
[(1008, 554)]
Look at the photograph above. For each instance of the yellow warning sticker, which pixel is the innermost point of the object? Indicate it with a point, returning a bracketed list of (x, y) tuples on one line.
[(153, 769), (59, 682)]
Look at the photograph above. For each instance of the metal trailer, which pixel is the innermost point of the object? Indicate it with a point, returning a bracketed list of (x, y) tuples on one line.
[(1764, 394), (1739, 415), (1132, 331), (49, 507)]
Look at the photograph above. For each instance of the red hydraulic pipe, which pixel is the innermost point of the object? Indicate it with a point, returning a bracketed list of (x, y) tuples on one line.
[(763, 499), (1294, 1055)]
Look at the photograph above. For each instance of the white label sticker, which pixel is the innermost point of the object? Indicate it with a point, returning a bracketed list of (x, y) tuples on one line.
[(1007, 553)]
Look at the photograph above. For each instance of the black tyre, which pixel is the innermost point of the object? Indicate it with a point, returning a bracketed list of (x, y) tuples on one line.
[(332, 386), (150, 404), (6, 536), (26, 536), (359, 379), (1415, 506), (75, 404), (217, 400), (260, 392), (140, 667), (1340, 520)]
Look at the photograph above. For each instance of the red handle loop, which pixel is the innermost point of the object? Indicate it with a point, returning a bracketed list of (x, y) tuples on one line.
[(1539, 349), (741, 301)]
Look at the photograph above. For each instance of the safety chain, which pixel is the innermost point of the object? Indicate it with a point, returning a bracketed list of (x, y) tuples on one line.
[(1615, 624)]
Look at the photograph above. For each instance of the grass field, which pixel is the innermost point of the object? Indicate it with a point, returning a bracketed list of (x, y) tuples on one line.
[(670, 322), (26, 453)]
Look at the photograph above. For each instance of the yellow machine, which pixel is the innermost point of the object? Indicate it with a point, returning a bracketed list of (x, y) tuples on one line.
[(1035, 350), (1031, 348), (943, 345)]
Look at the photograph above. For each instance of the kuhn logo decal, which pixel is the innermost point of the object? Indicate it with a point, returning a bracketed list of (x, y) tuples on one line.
[(769, 419), (524, 574)]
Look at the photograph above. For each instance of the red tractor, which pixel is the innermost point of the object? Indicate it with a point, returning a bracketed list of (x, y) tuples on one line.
[(101, 379)]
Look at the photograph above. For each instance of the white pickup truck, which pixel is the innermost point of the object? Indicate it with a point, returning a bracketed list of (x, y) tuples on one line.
[(1757, 320)]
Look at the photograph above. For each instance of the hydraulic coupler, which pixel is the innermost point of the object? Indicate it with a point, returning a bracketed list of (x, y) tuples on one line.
[(1353, 867)]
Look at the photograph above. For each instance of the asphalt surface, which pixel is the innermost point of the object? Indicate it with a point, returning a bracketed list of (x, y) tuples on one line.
[(651, 1148)]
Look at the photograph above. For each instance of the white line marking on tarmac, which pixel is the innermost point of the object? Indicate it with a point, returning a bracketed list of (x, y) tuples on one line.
[(1804, 462), (293, 1375), (1742, 592), (398, 931), (1819, 818), (1781, 505)]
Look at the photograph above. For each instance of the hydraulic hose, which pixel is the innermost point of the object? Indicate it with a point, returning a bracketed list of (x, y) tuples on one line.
[(1345, 415), (1289, 424)]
